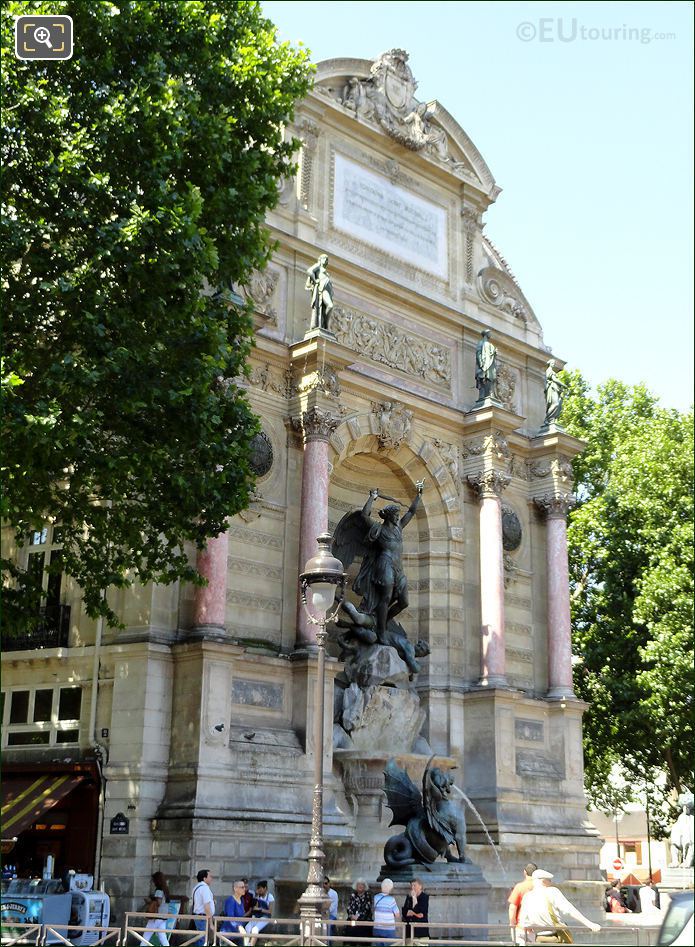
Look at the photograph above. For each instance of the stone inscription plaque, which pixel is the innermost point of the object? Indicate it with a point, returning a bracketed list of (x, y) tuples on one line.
[(368, 206), (528, 730), (257, 694)]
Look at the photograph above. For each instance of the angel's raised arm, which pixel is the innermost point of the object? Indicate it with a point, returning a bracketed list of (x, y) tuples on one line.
[(367, 508), (407, 516)]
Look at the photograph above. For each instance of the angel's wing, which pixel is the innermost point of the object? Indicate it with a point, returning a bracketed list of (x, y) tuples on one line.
[(350, 538), (402, 795)]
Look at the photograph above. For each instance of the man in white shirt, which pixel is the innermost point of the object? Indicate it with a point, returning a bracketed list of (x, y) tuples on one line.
[(203, 904), (544, 909), (332, 899)]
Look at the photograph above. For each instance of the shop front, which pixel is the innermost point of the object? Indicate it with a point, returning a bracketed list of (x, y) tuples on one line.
[(49, 810)]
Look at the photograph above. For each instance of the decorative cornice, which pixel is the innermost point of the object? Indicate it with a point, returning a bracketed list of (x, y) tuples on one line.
[(488, 483), (555, 506)]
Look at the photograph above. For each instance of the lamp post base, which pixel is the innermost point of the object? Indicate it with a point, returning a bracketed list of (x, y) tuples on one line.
[(312, 906)]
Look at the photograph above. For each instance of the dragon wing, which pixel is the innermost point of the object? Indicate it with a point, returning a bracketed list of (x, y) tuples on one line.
[(402, 795), (350, 538)]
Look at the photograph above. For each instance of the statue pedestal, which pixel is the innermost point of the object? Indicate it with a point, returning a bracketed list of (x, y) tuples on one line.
[(459, 894), (676, 878), (363, 778)]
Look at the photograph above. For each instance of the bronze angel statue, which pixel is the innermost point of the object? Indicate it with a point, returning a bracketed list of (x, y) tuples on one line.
[(381, 580), (433, 820)]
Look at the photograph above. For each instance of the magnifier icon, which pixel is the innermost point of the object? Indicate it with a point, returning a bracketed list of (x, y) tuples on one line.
[(43, 35)]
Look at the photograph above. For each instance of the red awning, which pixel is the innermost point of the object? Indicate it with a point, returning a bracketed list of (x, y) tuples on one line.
[(25, 798)]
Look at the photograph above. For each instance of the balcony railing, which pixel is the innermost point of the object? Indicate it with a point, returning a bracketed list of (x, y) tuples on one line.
[(52, 630)]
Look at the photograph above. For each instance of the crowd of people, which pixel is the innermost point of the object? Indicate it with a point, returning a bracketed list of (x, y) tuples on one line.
[(538, 911), (247, 914)]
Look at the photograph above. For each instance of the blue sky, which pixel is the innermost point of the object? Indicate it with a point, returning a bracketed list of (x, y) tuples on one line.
[(589, 135)]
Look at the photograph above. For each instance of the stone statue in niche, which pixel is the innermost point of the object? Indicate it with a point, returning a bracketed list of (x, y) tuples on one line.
[(318, 282), (375, 708), (486, 368), (554, 394), (433, 820)]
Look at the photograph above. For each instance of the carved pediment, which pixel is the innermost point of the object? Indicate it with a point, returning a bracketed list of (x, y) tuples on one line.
[(382, 92)]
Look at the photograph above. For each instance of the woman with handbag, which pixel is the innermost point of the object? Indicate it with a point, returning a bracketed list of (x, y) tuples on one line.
[(544, 908)]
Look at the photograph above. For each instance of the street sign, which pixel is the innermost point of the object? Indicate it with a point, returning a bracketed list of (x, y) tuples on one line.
[(119, 825), (618, 864)]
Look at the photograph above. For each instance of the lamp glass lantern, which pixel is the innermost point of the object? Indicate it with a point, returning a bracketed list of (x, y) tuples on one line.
[(323, 578)]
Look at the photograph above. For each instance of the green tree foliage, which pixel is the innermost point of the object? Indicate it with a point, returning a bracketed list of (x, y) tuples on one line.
[(631, 563), (135, 174)]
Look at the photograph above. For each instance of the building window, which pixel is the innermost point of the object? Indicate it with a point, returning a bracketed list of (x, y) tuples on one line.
[(46, 549), (41, 716), (633, 852)]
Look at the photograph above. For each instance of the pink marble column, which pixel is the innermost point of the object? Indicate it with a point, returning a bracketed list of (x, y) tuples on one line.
[(316, 426), (555, 509), (210, 606), (489, 486)]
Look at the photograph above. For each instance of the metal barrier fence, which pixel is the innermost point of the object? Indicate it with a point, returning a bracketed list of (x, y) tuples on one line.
[(175, 937), (138, 929), (107, 935), (18, 933)]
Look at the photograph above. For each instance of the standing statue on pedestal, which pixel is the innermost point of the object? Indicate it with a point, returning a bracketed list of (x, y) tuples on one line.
[(486, 368), (554, 394), (432, 820), (682, 834), (319, 283)]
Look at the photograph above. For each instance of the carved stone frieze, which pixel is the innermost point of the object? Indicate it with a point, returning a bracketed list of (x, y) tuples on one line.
[(500, 290), (560, 468), (253, 509), (450, 455), (260, 290), (506, 385), (309, 133), (488, 483), (510, 569), (555, 505), (518, 467), (324, 380), (270, 379), (315, 424), (493, 445), (394, 423), (387, 98), (471, 226), (392, 346)]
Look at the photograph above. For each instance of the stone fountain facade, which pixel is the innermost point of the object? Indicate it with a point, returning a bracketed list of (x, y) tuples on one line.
[(205, 702)]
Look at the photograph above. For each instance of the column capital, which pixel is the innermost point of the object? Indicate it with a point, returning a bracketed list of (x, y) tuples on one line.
[(314, 424), (488, 483), (555, 505)]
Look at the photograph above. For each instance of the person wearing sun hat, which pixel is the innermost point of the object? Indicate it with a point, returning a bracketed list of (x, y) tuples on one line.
[(544, 909)]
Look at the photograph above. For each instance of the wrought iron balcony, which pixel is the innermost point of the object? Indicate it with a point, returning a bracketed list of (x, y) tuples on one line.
[(52, 630)]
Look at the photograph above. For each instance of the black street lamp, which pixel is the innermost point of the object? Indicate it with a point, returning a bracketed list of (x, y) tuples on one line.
[(323, 578)]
